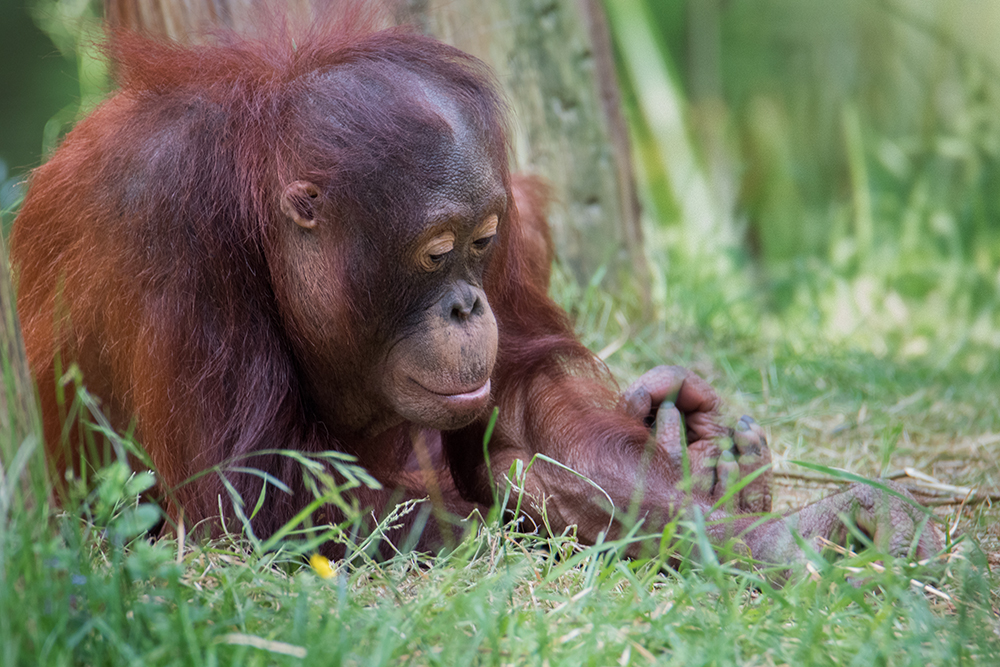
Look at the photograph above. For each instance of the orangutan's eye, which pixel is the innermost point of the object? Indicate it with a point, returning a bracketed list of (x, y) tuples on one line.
[(485, 233), (433, 254)]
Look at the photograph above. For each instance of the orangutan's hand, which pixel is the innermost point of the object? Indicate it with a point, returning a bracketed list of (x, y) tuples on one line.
[(683, 410)]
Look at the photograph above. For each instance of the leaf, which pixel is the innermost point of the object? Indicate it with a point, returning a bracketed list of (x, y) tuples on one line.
[(135, 521)]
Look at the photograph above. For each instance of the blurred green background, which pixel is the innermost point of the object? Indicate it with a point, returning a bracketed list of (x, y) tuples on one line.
[(47, 76), (37, 83), (820, 170), (844, 156)]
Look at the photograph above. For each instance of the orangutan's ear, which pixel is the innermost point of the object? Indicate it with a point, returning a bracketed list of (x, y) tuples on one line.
[(298, 202)]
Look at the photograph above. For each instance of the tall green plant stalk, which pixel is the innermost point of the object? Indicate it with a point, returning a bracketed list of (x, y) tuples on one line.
[(664, 114), (22, 474)]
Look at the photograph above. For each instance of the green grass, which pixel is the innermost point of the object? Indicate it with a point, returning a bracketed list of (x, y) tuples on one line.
[(494, 601)]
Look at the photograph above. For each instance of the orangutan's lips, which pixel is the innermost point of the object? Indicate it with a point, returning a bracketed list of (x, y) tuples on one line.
[(470, 400)]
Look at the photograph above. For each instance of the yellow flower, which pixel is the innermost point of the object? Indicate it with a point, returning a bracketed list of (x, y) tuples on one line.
[(322, 566)]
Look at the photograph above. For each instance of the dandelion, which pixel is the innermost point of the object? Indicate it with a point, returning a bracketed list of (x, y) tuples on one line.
[(322, 566)]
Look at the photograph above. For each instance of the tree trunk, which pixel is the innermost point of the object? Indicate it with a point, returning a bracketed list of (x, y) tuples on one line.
[(554, 59)]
